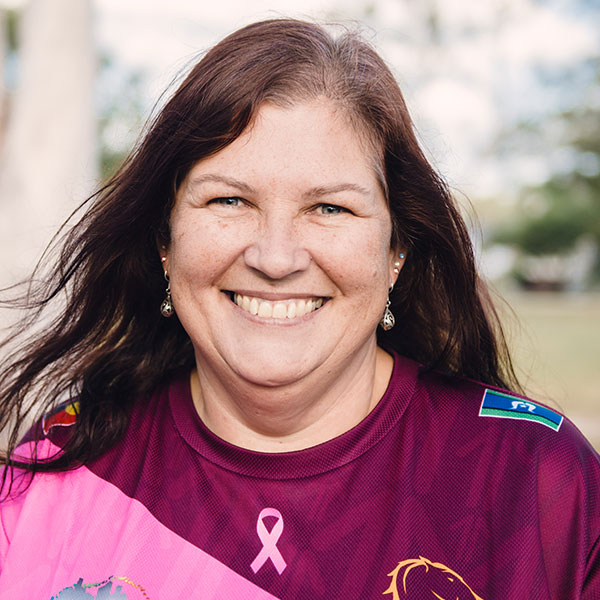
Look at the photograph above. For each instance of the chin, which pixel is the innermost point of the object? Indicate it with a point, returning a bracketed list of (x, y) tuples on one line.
[(275, 373)]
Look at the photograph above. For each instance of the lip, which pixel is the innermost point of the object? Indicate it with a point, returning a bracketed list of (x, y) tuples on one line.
[(274, 296)]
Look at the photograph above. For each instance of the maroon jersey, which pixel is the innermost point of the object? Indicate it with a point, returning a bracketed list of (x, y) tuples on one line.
[(447, 489)]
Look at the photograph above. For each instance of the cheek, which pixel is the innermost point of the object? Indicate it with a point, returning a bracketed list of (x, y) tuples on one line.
[(202, 250), (360, 260)]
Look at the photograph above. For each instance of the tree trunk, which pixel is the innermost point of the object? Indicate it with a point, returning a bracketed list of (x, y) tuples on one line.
[(48, 160)]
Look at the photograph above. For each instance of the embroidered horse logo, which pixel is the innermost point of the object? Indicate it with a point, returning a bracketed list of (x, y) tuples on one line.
[(419, 579)]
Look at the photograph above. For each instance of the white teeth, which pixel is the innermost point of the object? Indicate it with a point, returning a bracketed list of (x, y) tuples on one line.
[(279, 311), (265, 309), (289, 309)]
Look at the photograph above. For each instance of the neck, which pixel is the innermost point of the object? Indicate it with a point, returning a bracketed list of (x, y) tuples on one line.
[(295, 416)]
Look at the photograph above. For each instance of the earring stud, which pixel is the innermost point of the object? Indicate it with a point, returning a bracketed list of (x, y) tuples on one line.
[(397, 263)]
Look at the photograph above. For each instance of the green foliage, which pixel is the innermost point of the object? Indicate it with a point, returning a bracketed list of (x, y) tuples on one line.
[(556, 215), (553, 217), (110, 161), (12, 29), (551, 233), (120, 114)]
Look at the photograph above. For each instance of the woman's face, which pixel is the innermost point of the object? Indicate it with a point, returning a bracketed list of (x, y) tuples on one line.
[(280, 258)]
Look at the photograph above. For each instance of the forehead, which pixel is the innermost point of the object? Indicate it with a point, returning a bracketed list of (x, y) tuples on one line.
[(313, 141)]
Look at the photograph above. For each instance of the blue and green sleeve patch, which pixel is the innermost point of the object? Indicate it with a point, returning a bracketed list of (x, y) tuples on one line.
[(505, 406)]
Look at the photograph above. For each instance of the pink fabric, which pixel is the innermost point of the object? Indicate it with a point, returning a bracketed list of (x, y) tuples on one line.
[(77, 526)]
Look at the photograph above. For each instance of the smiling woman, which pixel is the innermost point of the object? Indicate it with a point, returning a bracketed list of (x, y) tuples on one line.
[(303, 248), (327, 404)]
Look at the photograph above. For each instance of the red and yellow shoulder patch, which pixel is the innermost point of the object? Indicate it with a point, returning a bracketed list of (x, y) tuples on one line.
[(63, 417)]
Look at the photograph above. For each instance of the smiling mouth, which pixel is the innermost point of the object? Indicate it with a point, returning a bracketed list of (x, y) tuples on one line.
[(278, 309)]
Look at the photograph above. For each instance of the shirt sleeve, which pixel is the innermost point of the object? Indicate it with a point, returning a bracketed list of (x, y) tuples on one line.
[(10, 510), (568, 500), (15, 493), (591, 586)]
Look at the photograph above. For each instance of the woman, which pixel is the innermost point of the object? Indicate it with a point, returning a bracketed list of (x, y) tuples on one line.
[(278, 436)]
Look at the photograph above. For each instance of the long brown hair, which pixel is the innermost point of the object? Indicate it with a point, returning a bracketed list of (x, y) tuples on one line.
[(109, 345)]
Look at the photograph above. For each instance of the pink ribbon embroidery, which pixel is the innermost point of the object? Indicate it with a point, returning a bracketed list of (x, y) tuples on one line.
[(269, 541)]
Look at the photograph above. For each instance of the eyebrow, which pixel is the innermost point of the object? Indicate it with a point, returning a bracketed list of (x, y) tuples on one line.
[(334, 189), (231, 181), (316, 192)]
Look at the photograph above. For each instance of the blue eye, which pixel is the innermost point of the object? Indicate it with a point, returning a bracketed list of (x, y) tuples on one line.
[(228, 201), (331, 209)]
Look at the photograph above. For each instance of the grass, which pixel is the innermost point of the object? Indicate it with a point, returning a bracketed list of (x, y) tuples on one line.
[(555, 340)]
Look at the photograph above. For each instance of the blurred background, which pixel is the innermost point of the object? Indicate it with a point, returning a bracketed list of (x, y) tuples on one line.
[(505, 95)]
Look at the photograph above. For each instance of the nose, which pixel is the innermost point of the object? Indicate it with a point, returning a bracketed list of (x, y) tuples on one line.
[(277, 249)]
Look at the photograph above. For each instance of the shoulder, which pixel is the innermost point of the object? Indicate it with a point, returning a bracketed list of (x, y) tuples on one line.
[(537, 454), (521, 430), (517, 427), (45, 437), (491, 406)]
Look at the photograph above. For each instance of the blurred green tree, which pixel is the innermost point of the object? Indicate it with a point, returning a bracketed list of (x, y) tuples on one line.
[(120, 113), (555, 215)]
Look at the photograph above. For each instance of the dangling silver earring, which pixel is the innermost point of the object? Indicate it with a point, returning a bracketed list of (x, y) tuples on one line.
[(388, 320), (166, 308)]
